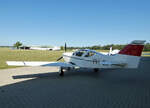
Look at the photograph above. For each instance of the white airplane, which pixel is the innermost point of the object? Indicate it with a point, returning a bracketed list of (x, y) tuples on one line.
[(128, 57), (39, 48), (111, 52)]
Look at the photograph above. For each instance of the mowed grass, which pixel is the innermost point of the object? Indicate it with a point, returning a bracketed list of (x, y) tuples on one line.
[(146, 54), (7, 54)]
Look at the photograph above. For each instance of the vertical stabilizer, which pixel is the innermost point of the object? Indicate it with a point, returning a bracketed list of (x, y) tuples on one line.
[(134, 48)]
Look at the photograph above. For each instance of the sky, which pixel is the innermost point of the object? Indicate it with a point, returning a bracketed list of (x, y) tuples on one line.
[(76, 22)]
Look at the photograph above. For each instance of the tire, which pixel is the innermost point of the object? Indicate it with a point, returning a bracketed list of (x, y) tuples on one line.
[(96, 69), (61, 72)]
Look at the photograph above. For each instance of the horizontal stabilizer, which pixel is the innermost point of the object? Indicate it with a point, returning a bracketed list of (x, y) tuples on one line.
[(138, 42)]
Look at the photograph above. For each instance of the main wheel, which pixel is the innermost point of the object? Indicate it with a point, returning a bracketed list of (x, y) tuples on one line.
[(61, 72), (69, 68), (96, 69)]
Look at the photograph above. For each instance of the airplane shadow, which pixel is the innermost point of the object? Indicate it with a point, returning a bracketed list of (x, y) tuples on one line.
[(52, 74), (72, 73)]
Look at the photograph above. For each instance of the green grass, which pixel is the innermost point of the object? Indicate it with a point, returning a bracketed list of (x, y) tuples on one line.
[(148, 54), (7, 54)]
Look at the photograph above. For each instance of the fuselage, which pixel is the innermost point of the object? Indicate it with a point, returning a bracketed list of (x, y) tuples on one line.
[(86, 58), (91, 59)]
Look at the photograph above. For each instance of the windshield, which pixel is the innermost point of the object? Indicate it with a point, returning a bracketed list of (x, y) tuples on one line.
[(89, 54), (80, 53), (84, 52)]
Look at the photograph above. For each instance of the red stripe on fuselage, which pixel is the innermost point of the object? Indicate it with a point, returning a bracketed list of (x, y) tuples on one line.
[(134, 50)]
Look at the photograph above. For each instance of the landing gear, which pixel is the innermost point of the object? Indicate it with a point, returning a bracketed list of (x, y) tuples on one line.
[(68, 69), (61, 71), (96, 69)]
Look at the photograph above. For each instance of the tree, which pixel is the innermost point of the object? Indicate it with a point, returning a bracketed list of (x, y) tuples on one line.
[(62, 47), (147, 47), (17, 44)]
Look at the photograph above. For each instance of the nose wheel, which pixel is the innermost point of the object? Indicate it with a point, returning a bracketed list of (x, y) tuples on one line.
[(61, 71)]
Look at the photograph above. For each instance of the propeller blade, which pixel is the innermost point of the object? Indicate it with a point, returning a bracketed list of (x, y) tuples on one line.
[(59, 58), (65, 47)]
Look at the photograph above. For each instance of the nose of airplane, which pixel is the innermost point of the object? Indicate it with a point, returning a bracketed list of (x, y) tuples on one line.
[(67, 56)]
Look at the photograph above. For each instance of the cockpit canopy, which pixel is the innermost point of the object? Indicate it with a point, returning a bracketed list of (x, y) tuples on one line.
[(84, 53)]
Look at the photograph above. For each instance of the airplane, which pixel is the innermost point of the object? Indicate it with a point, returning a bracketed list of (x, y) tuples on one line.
[(128, 57), (111, 52)]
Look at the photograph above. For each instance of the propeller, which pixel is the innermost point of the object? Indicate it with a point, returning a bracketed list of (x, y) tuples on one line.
[(65, 48), (59, 58)]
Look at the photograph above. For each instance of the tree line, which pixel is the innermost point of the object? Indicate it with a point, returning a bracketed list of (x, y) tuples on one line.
[(107, 47), (95, 47)]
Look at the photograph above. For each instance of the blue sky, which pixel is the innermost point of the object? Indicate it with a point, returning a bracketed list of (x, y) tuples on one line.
[(77, 22)]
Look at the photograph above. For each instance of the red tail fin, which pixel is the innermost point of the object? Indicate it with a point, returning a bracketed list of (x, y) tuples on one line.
[(134, 48)]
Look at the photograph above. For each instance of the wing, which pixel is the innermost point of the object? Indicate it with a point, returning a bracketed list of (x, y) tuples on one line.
[(26, 63)]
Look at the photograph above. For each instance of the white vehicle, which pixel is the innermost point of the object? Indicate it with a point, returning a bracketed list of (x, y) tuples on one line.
[(56, 48), (111, 52), (128, 57)]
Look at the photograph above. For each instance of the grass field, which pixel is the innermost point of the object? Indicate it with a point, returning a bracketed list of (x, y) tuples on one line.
[(28, 55)]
